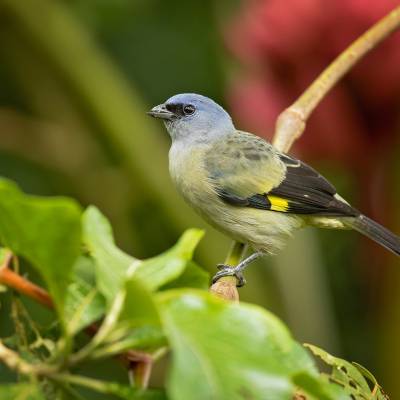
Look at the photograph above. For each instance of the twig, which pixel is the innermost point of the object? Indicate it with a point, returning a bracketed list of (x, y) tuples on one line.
[(22, 285), (141, 372), (94, 384), (16, 363), (291, 122)]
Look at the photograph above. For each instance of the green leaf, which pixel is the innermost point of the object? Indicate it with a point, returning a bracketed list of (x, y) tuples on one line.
[(20, 391), (133, 308), (112, 264), (377, 390), (46, 231), (139, 308), (84, 304), (146, 338), (349, 376), (3, 254), (319, 388), (169, 266), (229, 351), (192, 277)]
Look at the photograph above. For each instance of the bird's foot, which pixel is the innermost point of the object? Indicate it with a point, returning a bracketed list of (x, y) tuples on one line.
[(227, 270)]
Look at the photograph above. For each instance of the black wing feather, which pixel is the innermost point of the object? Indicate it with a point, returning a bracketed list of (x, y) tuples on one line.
[(306, 191)]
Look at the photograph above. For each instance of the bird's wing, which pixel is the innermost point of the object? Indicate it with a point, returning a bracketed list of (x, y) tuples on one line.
[(243, 165), (248, 172)]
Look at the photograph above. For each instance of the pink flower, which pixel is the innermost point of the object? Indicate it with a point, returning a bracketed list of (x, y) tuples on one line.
[(284, 45)]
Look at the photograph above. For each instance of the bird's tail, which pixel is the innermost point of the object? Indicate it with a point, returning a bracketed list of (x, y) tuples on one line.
[(376, 232)]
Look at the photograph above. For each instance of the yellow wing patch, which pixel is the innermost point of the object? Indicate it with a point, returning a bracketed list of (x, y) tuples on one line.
[(278, 204)]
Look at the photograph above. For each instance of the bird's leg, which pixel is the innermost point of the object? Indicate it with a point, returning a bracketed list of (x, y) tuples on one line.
[(227, 270)]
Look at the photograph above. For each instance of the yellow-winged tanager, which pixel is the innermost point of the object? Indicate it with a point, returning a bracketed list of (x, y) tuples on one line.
[(246, 188)]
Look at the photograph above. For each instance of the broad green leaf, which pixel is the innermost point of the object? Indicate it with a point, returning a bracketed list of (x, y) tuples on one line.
[(192, 277), (139, 308), (229, 351), (20, 391), (46, 231), (112, 264), (84, 304), (169, 266), (350, 377)]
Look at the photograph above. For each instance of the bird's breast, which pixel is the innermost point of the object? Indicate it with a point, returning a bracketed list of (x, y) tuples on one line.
[(190, 176)]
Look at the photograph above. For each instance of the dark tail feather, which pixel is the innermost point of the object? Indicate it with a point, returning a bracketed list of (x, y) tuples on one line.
[(376, 232)]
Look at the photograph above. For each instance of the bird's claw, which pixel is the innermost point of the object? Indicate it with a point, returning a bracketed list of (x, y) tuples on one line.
[(226, 270)]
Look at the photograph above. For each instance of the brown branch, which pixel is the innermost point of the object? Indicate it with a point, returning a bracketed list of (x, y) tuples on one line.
[(141, 373), (15, 281), (139, 361), (291, 122), (225, 287)]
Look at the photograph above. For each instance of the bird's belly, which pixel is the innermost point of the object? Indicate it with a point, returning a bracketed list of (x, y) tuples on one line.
[(262, 229)]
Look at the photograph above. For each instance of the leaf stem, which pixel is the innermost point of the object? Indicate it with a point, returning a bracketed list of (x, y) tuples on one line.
[(94, 384), (13, 361), (104, 330)]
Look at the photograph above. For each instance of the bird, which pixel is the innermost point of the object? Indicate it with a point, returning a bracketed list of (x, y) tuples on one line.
[(247, 189)]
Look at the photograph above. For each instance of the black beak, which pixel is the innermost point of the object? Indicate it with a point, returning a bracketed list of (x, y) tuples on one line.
[(161, 112)]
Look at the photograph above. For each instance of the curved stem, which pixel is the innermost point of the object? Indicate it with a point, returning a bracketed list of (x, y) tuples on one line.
[(22, 285), (292, 121)]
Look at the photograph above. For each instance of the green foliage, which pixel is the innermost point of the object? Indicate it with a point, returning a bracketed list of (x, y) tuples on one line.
[(169, 266), (220, 350), (84, 303), (44, 231), (21, 391), (111, 263), (236, 351), (351, 376)]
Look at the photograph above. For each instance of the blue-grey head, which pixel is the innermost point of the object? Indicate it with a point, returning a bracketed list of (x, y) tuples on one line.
[(193, 118)]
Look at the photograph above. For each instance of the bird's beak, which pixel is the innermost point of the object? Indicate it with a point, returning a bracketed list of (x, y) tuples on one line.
[(161, 112)]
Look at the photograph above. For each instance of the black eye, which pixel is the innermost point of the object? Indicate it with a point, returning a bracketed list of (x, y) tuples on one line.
[(189, 109)]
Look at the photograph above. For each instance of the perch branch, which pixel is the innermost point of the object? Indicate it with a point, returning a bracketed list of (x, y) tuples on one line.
[(291, 123), (225, 287)]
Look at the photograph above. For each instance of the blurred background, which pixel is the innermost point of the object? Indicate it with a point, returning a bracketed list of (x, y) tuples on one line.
[(76, 80)]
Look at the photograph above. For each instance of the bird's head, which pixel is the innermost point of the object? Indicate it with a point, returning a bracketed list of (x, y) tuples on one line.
[(193, 118)]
